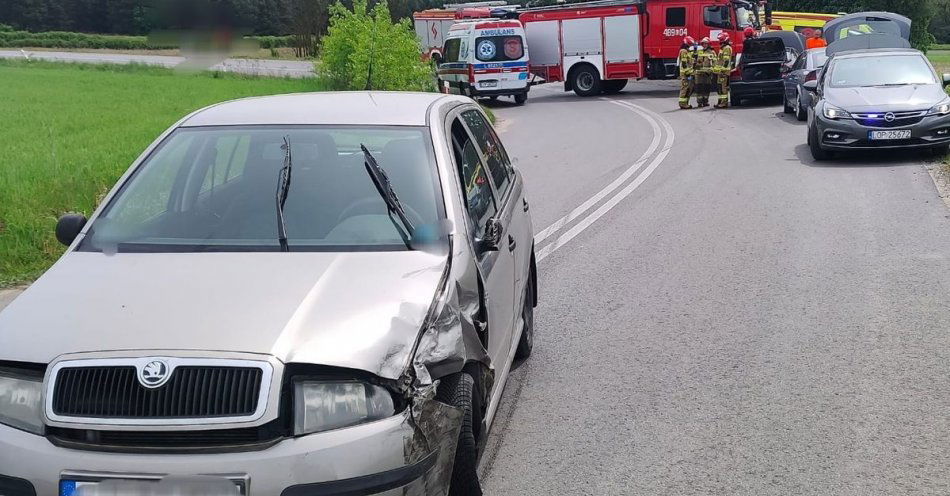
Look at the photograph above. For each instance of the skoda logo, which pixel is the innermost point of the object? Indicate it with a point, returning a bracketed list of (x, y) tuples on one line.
[(890, 117), (154, 374)]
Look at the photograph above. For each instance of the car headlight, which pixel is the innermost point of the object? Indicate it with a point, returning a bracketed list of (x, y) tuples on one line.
[(833, 112), (325, 405), (942, 109), (21, 402)]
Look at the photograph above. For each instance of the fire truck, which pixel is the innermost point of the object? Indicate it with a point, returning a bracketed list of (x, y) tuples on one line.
[(596, 47), (433, 24)]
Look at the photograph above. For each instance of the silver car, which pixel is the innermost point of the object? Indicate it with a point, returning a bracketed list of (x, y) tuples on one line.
[(311, 294)]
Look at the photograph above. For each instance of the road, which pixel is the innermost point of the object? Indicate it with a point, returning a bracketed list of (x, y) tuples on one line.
[(732, 318), (258, 67)]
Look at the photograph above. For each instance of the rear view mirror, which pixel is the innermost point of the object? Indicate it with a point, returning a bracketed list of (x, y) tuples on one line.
[(491, 239), (811, 86), (68, 227)]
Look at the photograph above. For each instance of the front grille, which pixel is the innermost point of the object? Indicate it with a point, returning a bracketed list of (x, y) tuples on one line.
[(901, 119), (191, 392), (241, 439)]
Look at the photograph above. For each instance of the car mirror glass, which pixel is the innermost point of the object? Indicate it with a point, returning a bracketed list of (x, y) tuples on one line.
[(491, 238), (811, 86), (946, 79)]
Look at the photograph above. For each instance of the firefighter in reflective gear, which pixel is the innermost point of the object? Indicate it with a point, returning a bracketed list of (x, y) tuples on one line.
[(687, 63), (723, 69), (705, 63)]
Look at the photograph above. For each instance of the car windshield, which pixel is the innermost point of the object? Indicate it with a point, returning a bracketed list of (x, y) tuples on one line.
[(881, 70), (214, 189)]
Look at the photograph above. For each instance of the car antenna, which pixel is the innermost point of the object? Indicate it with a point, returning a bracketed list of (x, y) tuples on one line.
[(372, 54)]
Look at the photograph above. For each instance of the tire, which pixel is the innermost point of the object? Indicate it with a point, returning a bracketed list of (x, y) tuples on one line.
[(526, 343), (801, 113), (814, 144), (520, 98), (459, 391), (614, 86), (586, 81)]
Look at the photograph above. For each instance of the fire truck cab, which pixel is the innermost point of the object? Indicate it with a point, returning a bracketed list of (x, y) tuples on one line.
[(596, 47)]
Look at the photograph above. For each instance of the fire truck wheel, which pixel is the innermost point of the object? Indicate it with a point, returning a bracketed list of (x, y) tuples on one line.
[(614, 86), (586, 80)]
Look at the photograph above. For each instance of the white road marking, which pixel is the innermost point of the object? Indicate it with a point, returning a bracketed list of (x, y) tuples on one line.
[(610, 188), (625, 192)]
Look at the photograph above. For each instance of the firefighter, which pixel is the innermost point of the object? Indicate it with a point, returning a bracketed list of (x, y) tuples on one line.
[(723, 69), (705, 60), (687, 63)]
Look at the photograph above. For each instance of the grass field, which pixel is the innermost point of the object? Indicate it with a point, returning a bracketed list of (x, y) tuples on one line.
[(69, 131), (940, 59)]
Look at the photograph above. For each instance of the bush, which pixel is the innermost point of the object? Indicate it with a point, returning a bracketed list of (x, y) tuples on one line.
[(363, 42), (65, 39)]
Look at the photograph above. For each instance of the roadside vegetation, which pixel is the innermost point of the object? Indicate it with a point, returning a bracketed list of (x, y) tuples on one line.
[(70, 130)]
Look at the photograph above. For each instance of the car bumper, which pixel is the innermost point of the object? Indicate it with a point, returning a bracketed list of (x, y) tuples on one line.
[(848, 134), (757, 88), (374, 458), (467, 89)]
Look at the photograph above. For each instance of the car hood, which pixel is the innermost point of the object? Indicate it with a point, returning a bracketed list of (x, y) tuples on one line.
[(357, 310), (883, 99)]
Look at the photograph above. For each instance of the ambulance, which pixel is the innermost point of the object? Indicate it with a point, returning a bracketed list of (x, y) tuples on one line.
[(485, 58)]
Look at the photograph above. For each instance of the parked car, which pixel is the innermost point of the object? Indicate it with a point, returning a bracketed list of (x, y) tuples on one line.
[(805, 68), (349, 333), (759, 69), (878, 99)]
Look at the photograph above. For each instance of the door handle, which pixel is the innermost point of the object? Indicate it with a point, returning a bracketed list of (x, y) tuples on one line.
[(525, 201), (511, 243)]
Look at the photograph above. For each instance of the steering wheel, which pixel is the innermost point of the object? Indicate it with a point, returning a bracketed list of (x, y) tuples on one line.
[(370, 204)]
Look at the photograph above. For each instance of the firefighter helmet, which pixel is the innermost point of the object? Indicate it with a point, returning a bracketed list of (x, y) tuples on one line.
[(723, 37), (704, 41), (689, 41), (749, 32)]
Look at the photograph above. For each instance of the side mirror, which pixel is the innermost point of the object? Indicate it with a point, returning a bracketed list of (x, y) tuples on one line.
[(68, 227), (946, 79), (811, 86), (491, 240)]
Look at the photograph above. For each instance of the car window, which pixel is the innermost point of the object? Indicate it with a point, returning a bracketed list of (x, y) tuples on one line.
[(881, 70), (479, 200), (499, 48), (717, 16), (451, 51), (213, 189), (676, 17), (497, 160)]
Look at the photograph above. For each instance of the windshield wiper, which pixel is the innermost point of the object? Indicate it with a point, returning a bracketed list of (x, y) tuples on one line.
[(283, 188), (385, 189)]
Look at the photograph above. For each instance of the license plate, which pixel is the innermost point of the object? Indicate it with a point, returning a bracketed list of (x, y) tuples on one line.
[(488, 84), (169, 487), (897, 134)]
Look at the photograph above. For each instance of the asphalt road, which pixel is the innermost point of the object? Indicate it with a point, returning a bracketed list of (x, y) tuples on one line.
[(258, 67), (741, 321)]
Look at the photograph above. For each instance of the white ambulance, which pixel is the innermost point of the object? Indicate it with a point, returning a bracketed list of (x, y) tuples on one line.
[(486, 58)]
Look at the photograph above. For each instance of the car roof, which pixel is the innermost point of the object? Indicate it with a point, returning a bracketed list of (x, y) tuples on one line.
[(877, 51), (373, 108)]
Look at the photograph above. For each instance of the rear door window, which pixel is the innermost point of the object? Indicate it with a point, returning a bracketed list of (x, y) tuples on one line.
[(495, 156), (499, 48)]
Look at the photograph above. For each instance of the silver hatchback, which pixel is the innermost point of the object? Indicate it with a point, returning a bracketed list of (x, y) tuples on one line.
[(300, 294)]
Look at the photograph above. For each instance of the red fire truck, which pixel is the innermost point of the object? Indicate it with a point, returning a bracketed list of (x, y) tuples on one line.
[(596, 47)]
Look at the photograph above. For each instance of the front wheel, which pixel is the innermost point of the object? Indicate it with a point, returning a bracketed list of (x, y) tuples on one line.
[(459, 391), (526, 343), (586, 81), (814, 144)]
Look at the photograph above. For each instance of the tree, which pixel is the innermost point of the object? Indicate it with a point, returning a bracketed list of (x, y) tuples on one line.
[(366, 48)]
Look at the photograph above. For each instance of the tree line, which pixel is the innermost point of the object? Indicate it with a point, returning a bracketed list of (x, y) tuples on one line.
[(274, 17)]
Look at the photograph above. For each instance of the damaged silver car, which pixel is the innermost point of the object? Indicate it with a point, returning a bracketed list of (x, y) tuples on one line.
[(311, 294)]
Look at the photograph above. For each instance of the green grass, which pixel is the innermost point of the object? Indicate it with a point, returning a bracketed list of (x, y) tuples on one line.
[(70, 130), (940, 59)]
